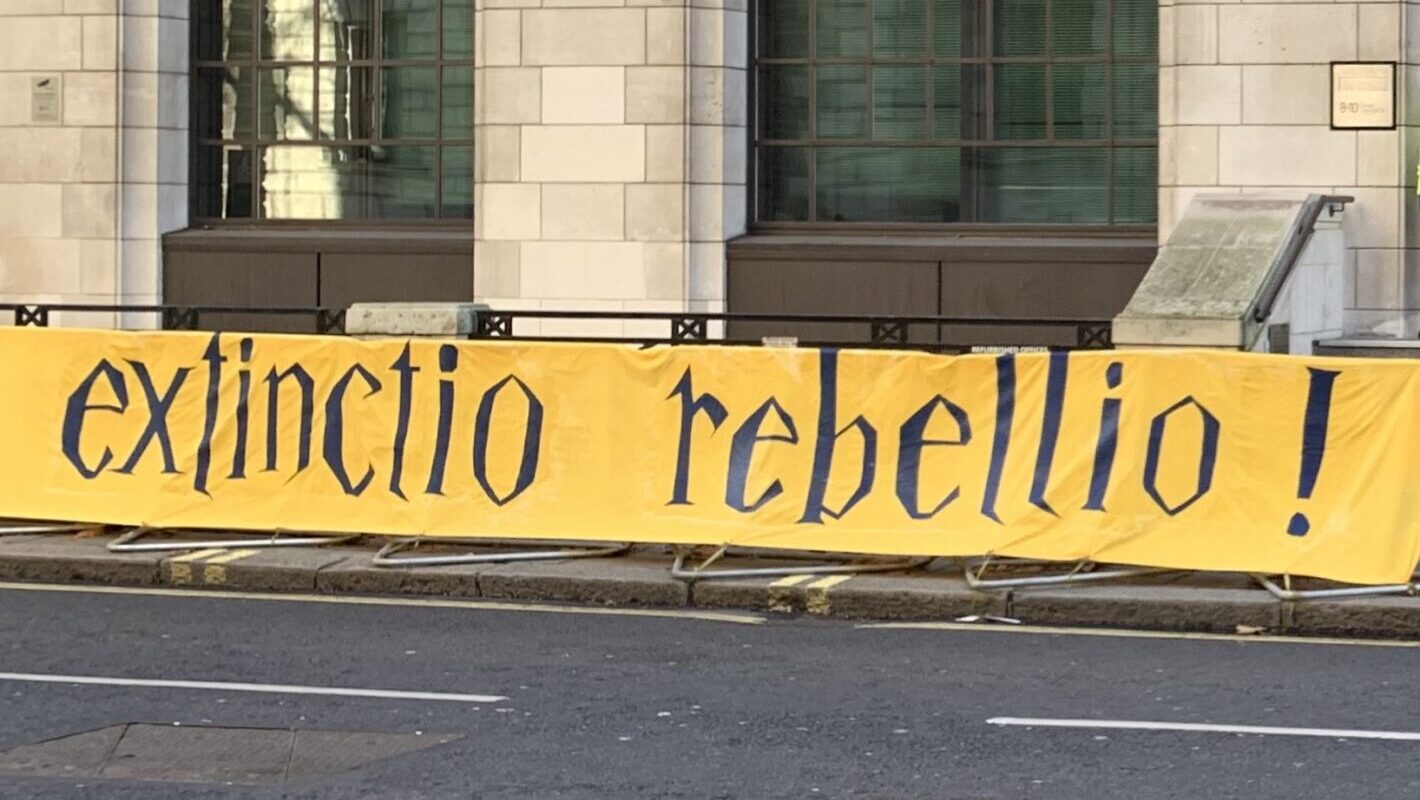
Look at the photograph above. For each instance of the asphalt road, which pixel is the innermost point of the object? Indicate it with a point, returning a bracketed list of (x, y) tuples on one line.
[(614, 706)]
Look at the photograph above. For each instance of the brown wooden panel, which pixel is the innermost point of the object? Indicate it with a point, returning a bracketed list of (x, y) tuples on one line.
[(786, 286), (270, 280), (347, 278)]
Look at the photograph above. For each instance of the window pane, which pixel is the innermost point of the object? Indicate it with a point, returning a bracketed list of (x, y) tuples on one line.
[(347, 102), (347, 30), (226, 30), (286, 103), (842, 102), (1136, 101), (288, 30), (1079, 27), (458, 29), (899, 28), (458, 103), (946, 29), (784, 102), (226, 103), (888, 184), (458, 183), (1044, 184), (899, 102), (402, 183), (1079, 101), (946, 101), (1019, 93), (410, 29), (842, 28), (784, 28), (1136, 182), (1136, 28), (223, 178), (1018, 27), (312, 182), (407, 108), (784, 184)]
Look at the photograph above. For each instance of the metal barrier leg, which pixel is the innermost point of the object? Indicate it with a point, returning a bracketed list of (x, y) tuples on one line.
[(16, 527), (128, 542), (386, 557), (1286, 592), (702, 572), (1077, 574)]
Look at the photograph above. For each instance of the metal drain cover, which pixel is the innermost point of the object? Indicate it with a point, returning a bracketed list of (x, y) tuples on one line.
[(204, 754)]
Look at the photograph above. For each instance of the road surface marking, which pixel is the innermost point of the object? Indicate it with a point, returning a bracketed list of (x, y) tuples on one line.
[(235, 555), (817, 602), (1198, 727), (214, 570), (196, 555), (790, 580), (1128, 634), (180, 567), (472, 605), (267, 688)]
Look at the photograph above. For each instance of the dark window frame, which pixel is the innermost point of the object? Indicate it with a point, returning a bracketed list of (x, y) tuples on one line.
[(203, 12), (981, 10)]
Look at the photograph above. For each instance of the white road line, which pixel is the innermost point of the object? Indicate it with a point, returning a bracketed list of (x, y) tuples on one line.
[(1197, 727), (1119, 633), (267, 688), (350, 600)]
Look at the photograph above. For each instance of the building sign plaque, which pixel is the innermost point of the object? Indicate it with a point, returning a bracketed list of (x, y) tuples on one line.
[(1363, 95), (45, 99)]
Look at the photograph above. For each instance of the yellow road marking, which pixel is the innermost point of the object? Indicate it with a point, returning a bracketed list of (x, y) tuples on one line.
[(471, 605), (214, 570), (1116, 633), (790, 580), (197, 555), (817, 601)]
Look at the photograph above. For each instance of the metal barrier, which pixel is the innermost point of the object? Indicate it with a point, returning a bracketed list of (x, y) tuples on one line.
[(880, 331), (702, 571), (1286, 592), (22, 527), (1082, 571), (386, 556), (128, 541)]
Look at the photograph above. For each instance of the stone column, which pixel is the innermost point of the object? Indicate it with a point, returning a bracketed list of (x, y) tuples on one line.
[(1244, 106), (610, 163)]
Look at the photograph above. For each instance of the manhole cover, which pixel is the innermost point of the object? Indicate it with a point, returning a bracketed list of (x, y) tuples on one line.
[(204, 754)]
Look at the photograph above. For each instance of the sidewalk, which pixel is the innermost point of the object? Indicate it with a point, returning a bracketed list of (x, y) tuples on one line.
[(1171, 601)]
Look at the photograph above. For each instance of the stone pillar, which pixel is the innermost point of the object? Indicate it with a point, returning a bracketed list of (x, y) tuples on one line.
[(1244, 106), (85, 196), (610, 163)]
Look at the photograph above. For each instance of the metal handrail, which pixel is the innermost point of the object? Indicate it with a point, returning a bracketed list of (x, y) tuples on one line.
[(1297, 237)]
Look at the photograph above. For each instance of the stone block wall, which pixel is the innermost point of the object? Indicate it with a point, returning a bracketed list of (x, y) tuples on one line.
[(610, 164), (1244, 106), (84, 200)]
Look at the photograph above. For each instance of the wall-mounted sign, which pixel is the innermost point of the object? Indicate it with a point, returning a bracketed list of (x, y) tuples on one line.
[(1363, 95), (45, 99)]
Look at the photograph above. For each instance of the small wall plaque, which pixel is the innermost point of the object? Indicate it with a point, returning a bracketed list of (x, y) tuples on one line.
[(1363, 95), (46, 92)]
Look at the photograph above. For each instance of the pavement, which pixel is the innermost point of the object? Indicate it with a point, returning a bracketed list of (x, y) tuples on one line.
[(1167, 601), (208, 695)]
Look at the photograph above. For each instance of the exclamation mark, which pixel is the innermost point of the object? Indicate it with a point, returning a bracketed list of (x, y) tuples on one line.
[(1313, 442)]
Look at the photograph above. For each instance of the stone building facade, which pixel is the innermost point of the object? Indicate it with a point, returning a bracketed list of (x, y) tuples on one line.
[(958, 157)]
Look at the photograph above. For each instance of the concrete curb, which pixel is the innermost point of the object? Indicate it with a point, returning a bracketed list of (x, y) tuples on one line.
[(1171, 602)]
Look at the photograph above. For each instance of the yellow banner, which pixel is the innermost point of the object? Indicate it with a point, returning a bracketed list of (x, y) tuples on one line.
[(1193, 460)]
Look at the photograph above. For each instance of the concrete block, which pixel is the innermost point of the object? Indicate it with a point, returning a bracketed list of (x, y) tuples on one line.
[(584, 154), (61, 558), (1287, 33), (1208, 95), (583, 211), (655, 94), (630, 580), (584, 95), (356, 575), (508, 95), (655, 212), (1175, 608), (272, 569), (562, 36), (1286, 94), (1286, 155), (665, 153), (412, 319), (510, 211), (665, 36), (500, 38), (1390, 617)]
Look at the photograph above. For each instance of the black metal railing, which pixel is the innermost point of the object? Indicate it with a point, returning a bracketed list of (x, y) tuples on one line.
[(931, 333)]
